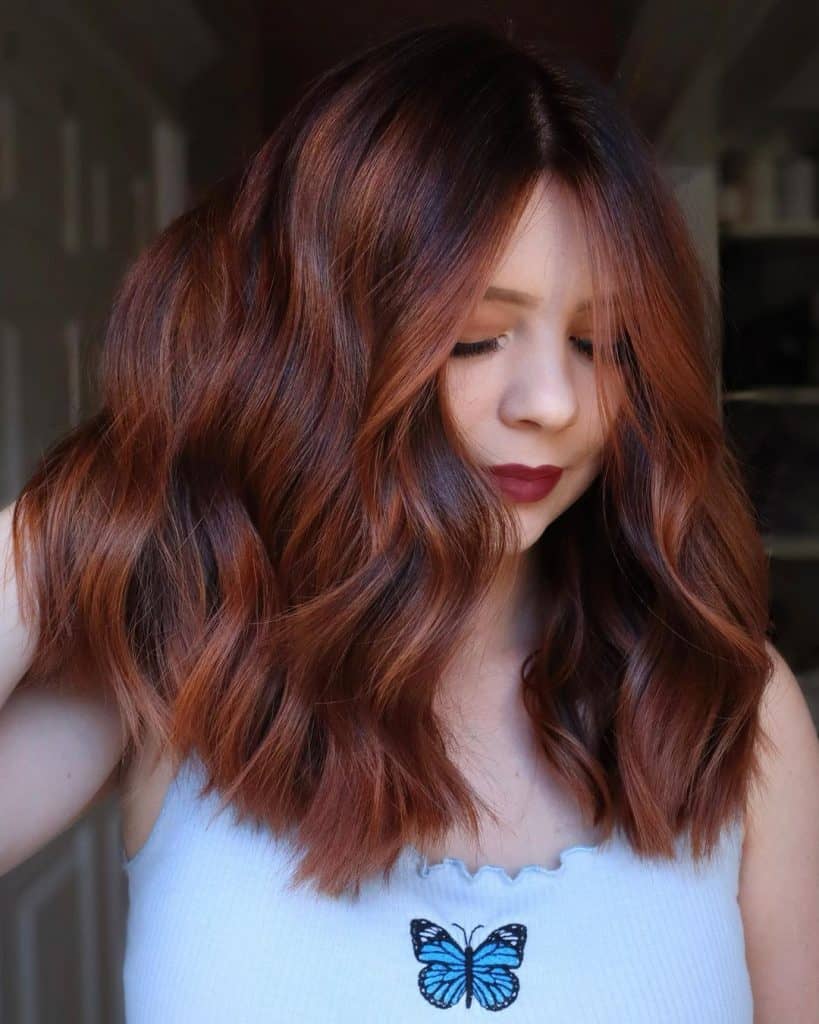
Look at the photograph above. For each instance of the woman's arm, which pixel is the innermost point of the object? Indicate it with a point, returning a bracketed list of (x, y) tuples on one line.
[(59, 751), (16, 640), (779, 876)]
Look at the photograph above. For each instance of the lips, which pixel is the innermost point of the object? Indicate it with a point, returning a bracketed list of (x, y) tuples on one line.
[(520, 472), (526, 483)]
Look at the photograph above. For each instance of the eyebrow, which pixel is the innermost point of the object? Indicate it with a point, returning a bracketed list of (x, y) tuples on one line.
[(494, 293)]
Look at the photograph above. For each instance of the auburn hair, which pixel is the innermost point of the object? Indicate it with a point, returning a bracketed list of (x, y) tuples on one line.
[(267, 542)]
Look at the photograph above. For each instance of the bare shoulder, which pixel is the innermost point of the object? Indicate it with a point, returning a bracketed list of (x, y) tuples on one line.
[(145, 782), (779, 874)]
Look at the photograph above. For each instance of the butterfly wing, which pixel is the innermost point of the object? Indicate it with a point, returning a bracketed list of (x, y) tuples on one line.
[(493, 983), (502, 946), (442, 986), (443, 981)]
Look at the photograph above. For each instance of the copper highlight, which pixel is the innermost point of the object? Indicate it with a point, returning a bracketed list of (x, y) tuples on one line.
[(266, 543)]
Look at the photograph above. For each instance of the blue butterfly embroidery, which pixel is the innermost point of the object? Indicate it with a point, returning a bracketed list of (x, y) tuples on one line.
[(483, 972)]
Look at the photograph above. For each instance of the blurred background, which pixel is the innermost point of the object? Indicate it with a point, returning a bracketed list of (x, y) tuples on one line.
[(114, 115)]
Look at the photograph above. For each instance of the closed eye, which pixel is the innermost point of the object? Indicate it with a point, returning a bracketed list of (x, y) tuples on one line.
[(477, 348)]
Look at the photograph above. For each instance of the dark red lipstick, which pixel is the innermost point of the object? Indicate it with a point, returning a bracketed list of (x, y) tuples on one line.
[(526, 483)]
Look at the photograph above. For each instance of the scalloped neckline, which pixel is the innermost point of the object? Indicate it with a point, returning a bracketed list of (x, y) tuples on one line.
[(424, 868)]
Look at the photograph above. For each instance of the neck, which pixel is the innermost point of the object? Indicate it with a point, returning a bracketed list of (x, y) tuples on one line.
[(482, 681)]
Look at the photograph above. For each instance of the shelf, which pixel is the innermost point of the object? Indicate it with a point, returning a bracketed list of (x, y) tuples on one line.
[(775, 396), (793, 546), (774, 230)]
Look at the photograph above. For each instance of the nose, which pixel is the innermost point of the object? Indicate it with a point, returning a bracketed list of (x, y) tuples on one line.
[(543, 385)]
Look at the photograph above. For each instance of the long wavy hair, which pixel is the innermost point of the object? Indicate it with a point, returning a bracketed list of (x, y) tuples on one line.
[(268, 540)]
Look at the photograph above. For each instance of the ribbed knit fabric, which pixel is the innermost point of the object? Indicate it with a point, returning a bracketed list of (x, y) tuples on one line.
[(213, 936)]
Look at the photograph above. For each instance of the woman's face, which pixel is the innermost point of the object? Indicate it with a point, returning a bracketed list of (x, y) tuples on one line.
[(530, 398)]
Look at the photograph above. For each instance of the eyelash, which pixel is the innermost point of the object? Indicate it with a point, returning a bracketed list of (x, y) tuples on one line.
[(478, 348)]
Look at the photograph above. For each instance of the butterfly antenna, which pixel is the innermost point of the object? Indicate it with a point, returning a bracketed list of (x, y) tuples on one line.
[(456, 925), (477, 926)]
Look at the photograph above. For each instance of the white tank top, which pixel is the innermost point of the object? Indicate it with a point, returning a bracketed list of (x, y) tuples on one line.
[(214, 937)]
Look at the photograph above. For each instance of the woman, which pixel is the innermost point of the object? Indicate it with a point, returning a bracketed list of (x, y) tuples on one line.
[(401, 726)]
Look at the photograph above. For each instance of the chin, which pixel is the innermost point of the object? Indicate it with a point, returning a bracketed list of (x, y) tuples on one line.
[(534, 523), (536, 517)]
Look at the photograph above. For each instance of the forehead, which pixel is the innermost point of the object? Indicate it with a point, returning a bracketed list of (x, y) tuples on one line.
[(546, 254)]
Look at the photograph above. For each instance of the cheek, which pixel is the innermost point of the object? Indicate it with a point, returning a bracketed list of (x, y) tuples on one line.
[(467, 400), (591, 426), (594, 429)]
